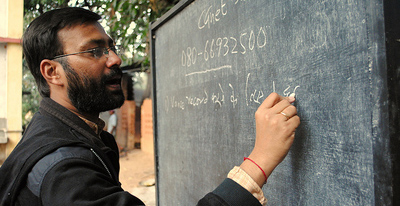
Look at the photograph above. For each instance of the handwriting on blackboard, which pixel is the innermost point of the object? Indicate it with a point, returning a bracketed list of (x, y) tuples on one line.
[(210, 70), (224, 95), (251, 39), (212, 15), (223, 46)]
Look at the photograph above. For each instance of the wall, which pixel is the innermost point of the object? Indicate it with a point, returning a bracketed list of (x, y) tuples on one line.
[(147, 142), (11, 28), (125, 136)]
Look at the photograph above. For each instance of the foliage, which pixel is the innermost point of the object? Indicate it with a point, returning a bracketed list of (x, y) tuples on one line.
[(126, 21)]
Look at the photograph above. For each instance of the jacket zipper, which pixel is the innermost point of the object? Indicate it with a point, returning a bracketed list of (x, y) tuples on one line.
[(102, 162)]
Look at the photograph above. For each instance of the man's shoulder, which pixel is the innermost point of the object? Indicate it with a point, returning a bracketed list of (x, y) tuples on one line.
[(43, 129), (44, 165), (21, 160), (60, 154)]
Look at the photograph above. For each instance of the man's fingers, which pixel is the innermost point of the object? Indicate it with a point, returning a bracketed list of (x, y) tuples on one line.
[(289, 111), (271, 100), (274, 99), (294, 121)]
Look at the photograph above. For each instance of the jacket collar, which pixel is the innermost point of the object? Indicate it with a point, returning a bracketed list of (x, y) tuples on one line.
[(50, 107)]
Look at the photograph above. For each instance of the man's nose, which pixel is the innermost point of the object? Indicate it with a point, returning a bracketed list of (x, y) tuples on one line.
[(113, 59)]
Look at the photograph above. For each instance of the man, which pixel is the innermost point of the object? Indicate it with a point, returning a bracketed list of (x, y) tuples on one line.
[(65, 158), (112, 129)]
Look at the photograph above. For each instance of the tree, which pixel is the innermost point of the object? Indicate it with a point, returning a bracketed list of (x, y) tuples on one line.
[(126, 21)]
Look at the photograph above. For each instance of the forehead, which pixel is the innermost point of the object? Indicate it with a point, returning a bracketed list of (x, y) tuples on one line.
[(80, 37)]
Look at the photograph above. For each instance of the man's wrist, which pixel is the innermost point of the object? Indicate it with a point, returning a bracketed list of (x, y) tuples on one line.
[(252, 167), (254, 172)]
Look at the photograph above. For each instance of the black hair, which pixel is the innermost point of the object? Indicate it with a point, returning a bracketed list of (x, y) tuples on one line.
[(40, 40)]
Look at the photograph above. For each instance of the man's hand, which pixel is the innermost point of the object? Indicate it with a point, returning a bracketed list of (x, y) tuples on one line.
[(276, 122)]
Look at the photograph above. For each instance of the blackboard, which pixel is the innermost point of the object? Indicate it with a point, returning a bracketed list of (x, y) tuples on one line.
[(215, 61)]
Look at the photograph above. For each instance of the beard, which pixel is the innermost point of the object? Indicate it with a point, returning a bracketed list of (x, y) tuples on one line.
[(89, 95)]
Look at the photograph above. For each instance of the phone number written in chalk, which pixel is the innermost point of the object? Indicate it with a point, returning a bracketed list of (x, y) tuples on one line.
[(224, 46)]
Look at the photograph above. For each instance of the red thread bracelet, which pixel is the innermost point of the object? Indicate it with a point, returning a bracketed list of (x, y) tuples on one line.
[(246, 158)]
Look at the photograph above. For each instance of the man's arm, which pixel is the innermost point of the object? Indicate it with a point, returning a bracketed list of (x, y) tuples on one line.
[(276, 122), (274, 136)]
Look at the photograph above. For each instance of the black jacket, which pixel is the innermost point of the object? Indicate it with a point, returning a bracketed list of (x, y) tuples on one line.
[(61, 161)]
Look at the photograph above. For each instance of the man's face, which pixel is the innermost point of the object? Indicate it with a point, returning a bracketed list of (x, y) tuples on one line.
[(94, 84), (90, 95)]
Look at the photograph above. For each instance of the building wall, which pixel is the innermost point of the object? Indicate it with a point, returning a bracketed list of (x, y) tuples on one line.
[(11, 28), (125, 136), (147, 141), (3, 80)]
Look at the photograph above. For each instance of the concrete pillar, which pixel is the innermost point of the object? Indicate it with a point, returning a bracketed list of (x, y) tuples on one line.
[(11, 29)]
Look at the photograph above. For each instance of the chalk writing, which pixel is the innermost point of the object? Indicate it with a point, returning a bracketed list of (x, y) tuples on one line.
[(196, 101), (237, 1), (170, 102), (254, 96), (210, 70), (189, 57), (287, 92), (233, 98), (219, 99), (223, 46), (211, 15)]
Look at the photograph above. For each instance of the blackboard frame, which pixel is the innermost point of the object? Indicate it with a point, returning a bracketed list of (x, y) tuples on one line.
[(392, 31), (390, 115)]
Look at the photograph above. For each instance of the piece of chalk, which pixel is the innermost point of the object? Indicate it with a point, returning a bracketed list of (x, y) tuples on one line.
[(291, 98)]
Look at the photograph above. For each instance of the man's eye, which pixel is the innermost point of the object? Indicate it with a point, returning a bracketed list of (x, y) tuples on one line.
[(98, 52)]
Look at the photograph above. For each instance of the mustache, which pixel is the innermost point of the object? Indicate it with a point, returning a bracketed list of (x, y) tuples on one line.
[(116, 72)]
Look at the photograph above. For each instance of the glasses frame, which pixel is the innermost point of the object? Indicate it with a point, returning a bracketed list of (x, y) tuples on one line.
[(106, 50)]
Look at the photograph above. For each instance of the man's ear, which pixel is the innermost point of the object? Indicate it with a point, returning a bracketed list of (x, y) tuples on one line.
[(52, 71)]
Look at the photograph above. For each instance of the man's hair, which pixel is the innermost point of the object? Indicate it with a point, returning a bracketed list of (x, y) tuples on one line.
[(40, 40)]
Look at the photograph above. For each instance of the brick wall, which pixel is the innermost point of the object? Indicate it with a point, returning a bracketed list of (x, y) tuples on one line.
[(147, 141)]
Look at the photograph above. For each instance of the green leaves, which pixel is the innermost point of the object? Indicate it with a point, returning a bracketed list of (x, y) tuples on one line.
[(127, 21)]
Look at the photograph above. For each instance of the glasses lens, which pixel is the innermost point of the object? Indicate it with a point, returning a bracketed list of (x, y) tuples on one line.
[(99, 52)]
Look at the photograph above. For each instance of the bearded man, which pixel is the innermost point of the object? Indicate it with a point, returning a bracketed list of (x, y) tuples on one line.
[(65, 157)]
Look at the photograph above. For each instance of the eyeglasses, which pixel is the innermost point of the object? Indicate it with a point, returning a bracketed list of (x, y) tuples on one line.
[(97, 52)]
